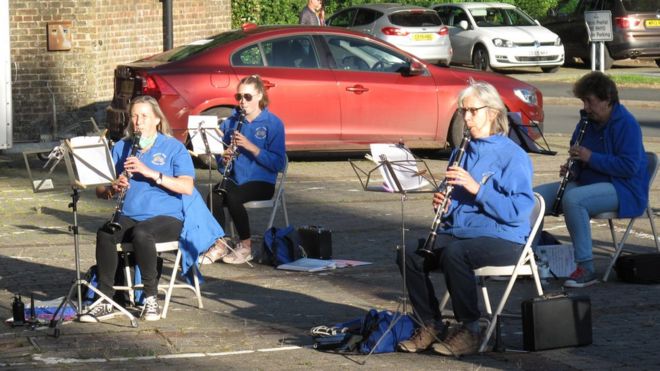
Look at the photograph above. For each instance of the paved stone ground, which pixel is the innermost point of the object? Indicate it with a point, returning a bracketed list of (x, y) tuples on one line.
[(258, 318)]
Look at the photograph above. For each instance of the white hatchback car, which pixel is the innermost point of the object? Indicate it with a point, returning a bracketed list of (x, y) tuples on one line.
[(417, 30), (497, 35)]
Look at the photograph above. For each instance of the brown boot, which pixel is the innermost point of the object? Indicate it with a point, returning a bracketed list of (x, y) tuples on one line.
[(422, 339), (461, 342)]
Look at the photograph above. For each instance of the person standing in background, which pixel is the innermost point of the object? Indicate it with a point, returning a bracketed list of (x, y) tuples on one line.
[(312, 14)]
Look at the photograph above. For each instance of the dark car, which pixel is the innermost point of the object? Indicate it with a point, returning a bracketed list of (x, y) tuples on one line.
[(635, 25), (333, 88)]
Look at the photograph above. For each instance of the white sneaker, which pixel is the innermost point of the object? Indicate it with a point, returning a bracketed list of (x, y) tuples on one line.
[(239, 256), (151, 310), (98, 313)]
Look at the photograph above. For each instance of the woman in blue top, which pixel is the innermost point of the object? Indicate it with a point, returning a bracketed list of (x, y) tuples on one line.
[(260, 156), (486, 223), (154, 180), (610, 173)]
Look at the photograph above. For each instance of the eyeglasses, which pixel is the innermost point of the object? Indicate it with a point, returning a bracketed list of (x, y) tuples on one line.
[(473, 110), (248, 97)]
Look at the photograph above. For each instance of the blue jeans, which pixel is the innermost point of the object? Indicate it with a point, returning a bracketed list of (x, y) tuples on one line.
[(578, 205)]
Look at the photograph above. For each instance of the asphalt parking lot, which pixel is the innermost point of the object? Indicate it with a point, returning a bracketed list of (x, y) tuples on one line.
[(258, 318)]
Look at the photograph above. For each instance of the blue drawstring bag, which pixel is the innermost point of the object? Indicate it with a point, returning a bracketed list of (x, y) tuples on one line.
[(362, 334), (281, 246)]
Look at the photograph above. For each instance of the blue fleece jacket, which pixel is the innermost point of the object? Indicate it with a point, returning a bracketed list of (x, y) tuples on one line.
[(266, 131), (617, 156), (505, 200)]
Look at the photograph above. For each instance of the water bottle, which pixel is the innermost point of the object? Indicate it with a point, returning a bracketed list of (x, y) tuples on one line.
[(18, 311), (544, 268)]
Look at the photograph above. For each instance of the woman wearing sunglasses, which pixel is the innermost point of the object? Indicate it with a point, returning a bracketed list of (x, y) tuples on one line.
[(486, 222), (260, 155)]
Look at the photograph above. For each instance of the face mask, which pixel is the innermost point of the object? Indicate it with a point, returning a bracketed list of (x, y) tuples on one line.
[(146, 142)]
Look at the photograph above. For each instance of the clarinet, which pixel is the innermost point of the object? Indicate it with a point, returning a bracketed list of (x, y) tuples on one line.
[(570, 163), (229, 166), (113, 225), (427, 248)]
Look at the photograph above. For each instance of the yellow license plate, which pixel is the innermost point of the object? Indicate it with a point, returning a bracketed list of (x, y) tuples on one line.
[(652, 23), (422, 37)]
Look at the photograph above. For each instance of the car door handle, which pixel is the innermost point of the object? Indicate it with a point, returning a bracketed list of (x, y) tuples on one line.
[(357, 89), (268, 84)]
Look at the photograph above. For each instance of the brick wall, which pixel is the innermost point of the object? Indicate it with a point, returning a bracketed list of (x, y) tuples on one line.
[(105, 33)]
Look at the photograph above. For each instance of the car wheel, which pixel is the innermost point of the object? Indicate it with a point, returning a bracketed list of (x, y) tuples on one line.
[(456, 130), (202, 160), (552, 69), (657, 62), (480, 59)]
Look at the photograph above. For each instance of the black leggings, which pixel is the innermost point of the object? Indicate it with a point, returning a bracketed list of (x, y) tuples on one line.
[(233, 199), (143, 235)]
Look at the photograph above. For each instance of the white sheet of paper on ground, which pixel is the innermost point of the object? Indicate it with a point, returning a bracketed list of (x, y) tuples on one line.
[(317, 265)]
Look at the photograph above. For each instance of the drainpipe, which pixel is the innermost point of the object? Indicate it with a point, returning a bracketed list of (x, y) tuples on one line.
[(167, 25)]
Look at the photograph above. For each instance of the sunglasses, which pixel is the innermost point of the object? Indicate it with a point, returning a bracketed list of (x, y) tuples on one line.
[(248, 97), (473, 110)]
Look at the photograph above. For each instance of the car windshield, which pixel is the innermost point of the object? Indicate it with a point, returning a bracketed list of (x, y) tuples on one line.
[(415, 18), (501, 17), (199, 46), (641, 5)]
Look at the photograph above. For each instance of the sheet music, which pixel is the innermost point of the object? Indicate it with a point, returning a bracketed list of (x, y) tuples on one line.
[(92, 159), (560, 258), (213, 136), (404, 165)]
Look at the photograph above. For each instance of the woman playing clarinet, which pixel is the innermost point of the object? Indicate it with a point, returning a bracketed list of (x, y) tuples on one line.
[(255, 154), (486, 222), (609, 172)]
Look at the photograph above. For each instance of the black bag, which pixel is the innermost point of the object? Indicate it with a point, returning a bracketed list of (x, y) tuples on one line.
[(639, 268), (556, 321), (317, 241)]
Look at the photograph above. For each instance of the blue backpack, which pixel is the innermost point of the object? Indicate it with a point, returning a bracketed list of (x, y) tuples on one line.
[(361, 334), (374, 326), (281, 246)]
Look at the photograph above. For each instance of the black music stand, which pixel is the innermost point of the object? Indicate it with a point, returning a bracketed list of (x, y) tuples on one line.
[(210, 140), (396, 174), (88, 163)]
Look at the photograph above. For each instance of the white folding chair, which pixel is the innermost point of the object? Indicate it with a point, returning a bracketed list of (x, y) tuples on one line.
[(652, 166), (526, 266), (274, 203), (166, 288)]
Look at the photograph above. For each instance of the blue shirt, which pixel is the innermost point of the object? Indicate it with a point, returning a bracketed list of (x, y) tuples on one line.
[(503, 205), (266, 131), (144, 198)]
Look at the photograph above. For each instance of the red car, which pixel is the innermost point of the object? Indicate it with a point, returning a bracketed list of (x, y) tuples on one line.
[(333, 88)]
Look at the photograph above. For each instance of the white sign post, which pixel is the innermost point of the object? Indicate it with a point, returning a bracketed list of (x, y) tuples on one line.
[(599, 29)]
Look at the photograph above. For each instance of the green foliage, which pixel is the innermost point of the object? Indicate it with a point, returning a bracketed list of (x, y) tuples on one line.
[(264, 12)]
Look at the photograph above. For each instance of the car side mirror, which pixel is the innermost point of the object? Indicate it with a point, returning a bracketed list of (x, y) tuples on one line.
[(414, 69), (463, 25)]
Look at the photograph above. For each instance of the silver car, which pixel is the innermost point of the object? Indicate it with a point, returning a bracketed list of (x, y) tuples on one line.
[(417, 30)]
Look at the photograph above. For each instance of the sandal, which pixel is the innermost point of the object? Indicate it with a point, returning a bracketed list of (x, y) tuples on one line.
[(241, 255), (218, 251)]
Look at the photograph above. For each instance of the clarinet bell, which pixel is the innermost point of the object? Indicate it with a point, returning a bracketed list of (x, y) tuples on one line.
[(425, 246), (113, 226)]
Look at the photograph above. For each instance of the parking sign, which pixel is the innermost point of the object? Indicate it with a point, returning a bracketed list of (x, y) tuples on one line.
[(599, 25)]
